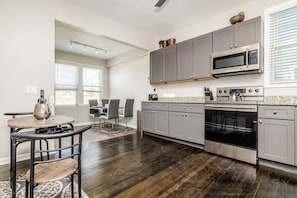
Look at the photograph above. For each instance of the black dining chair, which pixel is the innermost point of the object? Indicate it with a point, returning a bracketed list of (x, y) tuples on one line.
[(65, 163)]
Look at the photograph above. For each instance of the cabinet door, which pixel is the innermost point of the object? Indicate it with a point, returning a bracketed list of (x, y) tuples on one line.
[(177, 125), (247, 32), (194, 126), (160, 122), (170, 63), (147, 120), (157, 66), (276, 140), (202, 56), (223, 39), (185, 60)]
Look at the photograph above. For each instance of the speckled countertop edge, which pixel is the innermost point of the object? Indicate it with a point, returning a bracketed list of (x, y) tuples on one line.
[(268, 100)]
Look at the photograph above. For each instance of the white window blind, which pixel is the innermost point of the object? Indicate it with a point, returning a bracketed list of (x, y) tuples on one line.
[(76, 83), (283, 46), (66, 76)]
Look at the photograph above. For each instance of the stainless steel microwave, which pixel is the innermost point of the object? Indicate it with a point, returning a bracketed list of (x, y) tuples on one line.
[(241, 60)]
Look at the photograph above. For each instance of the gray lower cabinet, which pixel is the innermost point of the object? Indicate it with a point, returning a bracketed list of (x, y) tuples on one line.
[(276, 134), (176, 120), (154, 117), (186, 122)]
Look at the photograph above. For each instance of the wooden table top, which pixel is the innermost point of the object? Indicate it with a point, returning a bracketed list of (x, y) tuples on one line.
[(26, 122)]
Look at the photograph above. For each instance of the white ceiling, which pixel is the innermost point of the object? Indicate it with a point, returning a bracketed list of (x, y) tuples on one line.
[(140, 14), (65, 33)]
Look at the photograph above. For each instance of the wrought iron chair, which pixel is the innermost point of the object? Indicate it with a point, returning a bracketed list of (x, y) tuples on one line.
[(66, 163)]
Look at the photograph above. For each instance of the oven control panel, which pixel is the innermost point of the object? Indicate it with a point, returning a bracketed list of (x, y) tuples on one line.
[(242, 91)]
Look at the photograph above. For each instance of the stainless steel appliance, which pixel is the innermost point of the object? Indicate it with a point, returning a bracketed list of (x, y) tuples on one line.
[(231, 123), (241, 60)]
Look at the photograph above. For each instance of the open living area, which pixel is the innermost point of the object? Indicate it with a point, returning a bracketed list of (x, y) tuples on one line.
[(148, 98)]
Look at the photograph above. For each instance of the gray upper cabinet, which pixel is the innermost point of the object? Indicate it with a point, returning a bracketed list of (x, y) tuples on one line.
[(163, 65), (223, 39), (193, 58), (202, 56), (157, 66), (185, 60), (170, 63), (241, 34)]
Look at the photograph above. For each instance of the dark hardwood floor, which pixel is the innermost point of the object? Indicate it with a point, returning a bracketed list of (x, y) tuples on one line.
[(132, 166)]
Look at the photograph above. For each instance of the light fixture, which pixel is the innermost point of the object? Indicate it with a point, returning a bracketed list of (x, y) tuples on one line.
[(86, 46)]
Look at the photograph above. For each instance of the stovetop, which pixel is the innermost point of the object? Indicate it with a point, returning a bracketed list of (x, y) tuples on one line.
[(237, 95)]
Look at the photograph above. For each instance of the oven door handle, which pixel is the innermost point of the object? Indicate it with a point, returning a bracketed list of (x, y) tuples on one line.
[(243, 108)]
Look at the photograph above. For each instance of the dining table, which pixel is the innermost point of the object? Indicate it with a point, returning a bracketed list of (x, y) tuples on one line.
[(54, 124)]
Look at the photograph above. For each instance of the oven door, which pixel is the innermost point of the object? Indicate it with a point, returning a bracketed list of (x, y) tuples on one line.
[(231, 124)]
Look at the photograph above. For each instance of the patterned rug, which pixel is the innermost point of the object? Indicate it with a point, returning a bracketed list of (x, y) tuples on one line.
[(58, 189)]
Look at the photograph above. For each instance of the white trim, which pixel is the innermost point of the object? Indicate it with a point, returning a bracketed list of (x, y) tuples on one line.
[(268, 12)]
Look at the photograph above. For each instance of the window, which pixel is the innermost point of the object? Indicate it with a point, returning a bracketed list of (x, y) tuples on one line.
[(281, 45), (91, 84), (76, 84)]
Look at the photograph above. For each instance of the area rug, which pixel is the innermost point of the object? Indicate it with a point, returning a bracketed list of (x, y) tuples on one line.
[(58, 189), (95, 134)]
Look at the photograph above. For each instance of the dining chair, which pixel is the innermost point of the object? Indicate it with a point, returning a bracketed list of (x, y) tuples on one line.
[(94, 113), (65, 163), (104, 102), (112, 112), (128, 111)]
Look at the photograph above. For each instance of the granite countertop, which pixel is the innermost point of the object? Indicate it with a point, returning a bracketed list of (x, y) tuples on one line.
[(268, 100), (279, 100), (198, 100)]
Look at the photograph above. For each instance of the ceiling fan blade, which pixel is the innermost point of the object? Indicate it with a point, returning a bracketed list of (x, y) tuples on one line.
[(160, 3)]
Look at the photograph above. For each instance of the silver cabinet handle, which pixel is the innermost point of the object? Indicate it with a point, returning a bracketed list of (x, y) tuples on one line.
[(274, 112), (235, 46), (231, 46), (260, 121)]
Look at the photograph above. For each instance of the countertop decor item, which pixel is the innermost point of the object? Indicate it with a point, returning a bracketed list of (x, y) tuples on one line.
[(237, 18), (41, 109)]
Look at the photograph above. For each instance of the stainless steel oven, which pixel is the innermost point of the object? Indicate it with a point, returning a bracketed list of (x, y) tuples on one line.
[(231, 124)]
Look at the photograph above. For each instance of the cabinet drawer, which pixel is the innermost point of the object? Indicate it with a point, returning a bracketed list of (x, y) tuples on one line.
[(276, 112), (155, 106), (190, 108)]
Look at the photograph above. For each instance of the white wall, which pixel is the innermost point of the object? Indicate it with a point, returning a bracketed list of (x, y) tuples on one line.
[(27, 49), (128, 79)]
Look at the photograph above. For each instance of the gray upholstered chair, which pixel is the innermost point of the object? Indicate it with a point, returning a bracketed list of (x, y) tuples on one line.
[(112, 111), (128, 110), (104, 102)]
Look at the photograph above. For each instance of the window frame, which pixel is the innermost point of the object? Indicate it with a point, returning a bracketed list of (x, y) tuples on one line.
[(267, 65), (80, 87)]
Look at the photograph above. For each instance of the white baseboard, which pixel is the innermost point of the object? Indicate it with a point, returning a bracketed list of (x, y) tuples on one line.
[(20, 157)]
